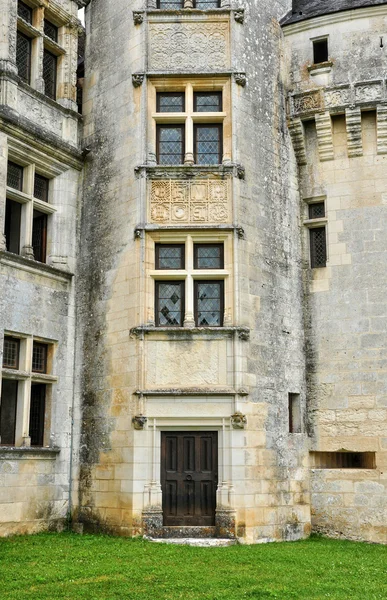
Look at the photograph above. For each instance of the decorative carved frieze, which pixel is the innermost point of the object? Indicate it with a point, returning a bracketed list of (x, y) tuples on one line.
[(354, 137), (324, 136), (368, 92), (381, 116), (296, 130), (307, 102), (201, 201), (196, 46), (337, 97)]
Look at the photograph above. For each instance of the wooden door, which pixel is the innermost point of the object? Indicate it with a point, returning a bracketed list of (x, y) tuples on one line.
[(189, 477)]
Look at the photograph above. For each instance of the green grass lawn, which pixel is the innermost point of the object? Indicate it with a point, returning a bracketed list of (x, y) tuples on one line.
[(53, 566)]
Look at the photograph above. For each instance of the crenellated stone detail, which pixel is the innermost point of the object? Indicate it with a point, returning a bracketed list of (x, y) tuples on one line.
[(324, 136), (381, 116), (354, 136), (296, 130)]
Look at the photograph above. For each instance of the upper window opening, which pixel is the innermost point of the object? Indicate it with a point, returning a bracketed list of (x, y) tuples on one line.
[(49, 74), (320, 51), (316, 210), (12, 226), (50, 30), (23, 57), (171, 102), (170, 144), (24, 11), (204, 102), (208, 256), (208, 144), (169, 303), (170, 256), (39, 358), (41, 187), (39, 235), (206, 4), (170, 4), (14, 176), (11, 351), (209, 303)]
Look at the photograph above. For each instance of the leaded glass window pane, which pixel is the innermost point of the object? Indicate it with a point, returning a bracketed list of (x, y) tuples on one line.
[(12, 226), (173, 4), (206, 4), (8, 411), (170, 144), (170, 256), (24, 11), (39, 358), (171, 102), (209, 303), (41, 187), (208, 256), (169, 303), (37, 410), (208, 144), (317, 210), (39, 236), (23, 56), (204, 102), (11, 353), (50, 30), (14, 176), (318, 247), (49, 74)]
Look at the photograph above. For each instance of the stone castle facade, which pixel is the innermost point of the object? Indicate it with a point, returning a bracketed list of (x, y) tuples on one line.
[(193, 285)]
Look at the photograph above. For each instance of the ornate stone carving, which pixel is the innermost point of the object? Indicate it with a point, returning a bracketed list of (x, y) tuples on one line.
[(337, 97), (139, 422), (239, 15), (138, 17), (324, 136), (137, 79), (241, 172), (197, 46), (306, 102), (244, 334), (368, 92), (200, 201), (240, 233), (238, 420), (240, 79)]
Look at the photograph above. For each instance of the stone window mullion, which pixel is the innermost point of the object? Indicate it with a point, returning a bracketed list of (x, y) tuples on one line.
[(189, 320), (37, 51), (189, 144), (27, 213)]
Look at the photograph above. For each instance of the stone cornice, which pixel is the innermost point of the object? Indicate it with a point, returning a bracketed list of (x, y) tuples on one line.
[(331, 19), (32, 266)]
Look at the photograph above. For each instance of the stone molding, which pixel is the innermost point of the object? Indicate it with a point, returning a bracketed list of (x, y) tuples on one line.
[(187, 172), (330, 19), (195, 391), (242, 332)]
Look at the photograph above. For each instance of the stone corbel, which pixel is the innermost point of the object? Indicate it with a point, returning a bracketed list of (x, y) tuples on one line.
[(240, 233), (243, 391), (138, 17), (240, 79), (239, 15), (139, 422), (238, 420), (137, 79), (137, 234), (244, 334)]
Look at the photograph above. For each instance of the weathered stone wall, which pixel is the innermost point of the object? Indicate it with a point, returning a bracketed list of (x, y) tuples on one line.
[(342, 160)]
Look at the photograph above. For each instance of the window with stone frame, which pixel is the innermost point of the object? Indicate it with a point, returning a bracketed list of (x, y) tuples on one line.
[(23, 56), (190, 281), (316, 222), (49, 74), (187, 121), (26, 391), (27, 211)]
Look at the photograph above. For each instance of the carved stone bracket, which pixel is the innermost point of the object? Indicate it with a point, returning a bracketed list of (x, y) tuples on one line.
[(244, 334), (138, 17), (241, 172), (137, 79), (240, 79), (243, 391), (240, 232), (139, 422), (239, 15), (238, 420)]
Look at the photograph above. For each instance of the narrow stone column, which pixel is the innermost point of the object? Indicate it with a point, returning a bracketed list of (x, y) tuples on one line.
[(67, 69), (3, 186)]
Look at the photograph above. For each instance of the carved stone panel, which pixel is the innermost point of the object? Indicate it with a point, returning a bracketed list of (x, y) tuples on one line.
[(368, 92), (337, 96), (199, 46), (174, 201), (307, 102)]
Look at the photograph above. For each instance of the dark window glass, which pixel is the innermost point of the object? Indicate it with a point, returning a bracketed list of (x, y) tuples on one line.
[(208, 256), (170, 144), (50, 30), (295, 425), (205, 4), (169, 256), (15, 176), (37, 410), (174, 4), (317, 211), (209, 303), (11, 353), (170, 102), (8, 412), (49, 74), (24, 11), (12, 226), (23, 57), (41, 187), (169, 303), (320, 51), (39, 358), (208, 144), (318, 247), (39, 236), (204, 102)]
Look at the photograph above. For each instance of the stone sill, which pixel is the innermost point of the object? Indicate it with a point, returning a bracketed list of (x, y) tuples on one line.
[(187, 332), (196, 391), (189, 171), (68, 112), (33, 266), (188, 11), (22, 452), (324, 67)]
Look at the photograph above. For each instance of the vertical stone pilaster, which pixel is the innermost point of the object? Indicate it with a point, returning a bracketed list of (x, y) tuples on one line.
[(67, 69), (3, 185), (296, 130), (381, 123), (324, 136), (38, 51), (354, 137)]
